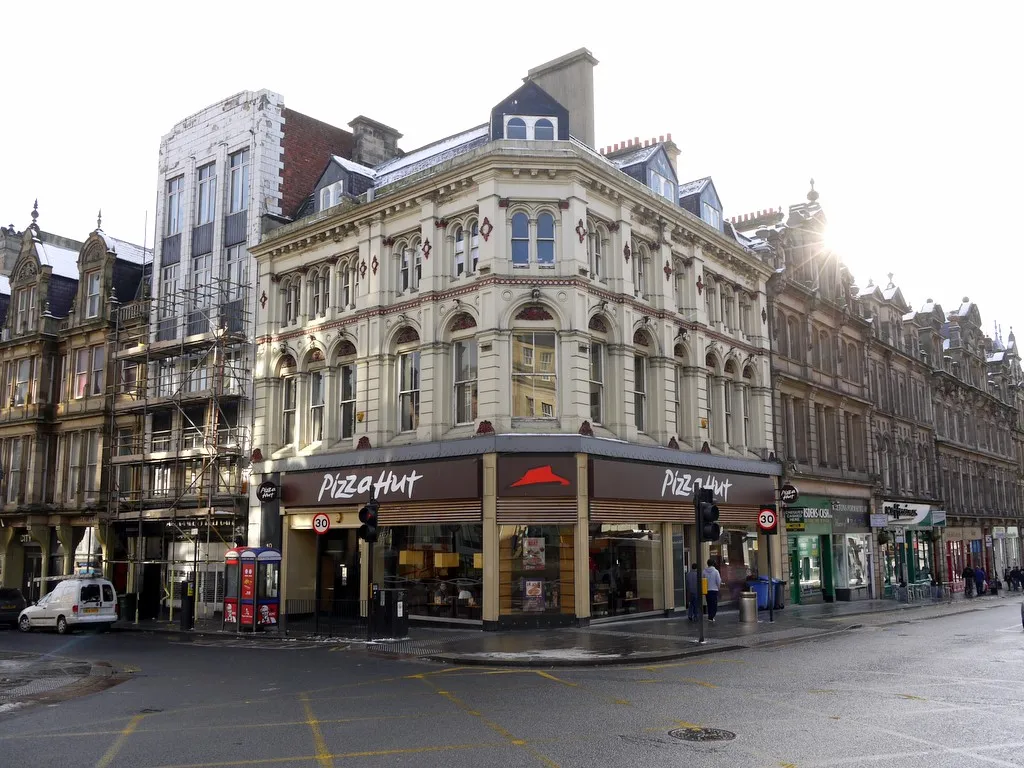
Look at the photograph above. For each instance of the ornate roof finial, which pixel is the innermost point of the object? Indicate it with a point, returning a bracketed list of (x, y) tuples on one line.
[(35, 211), (890, 285), (812, 195), (99, 219)]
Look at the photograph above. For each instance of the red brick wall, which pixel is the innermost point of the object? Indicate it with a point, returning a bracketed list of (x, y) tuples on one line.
[(306, 148)]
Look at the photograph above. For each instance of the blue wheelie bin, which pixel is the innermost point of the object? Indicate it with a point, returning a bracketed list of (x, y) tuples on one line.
[(760, 586)]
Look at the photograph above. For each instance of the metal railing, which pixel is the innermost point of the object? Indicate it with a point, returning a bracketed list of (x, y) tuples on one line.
[(325, 618)]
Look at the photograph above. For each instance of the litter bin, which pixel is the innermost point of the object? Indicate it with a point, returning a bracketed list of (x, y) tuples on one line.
[(748, 607), (780, 594), (390, 614), (759, 587), (187, 617), (126, 607)]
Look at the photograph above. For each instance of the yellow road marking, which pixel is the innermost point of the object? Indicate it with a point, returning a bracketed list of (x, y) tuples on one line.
[(912, 697), (623, 702), (822, 690), (323, 755), (338, 755), (698, 682), (423, 675), (701, 662), (510, 738), (111, 753), (549, 676)]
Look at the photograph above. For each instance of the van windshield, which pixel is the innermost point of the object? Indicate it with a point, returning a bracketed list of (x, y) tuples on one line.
[(90, 593)]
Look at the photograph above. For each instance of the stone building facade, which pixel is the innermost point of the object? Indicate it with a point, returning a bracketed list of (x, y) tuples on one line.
[(544, 317)]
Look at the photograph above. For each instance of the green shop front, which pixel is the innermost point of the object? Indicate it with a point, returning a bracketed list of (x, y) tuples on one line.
[(908, 547), (829, 549)]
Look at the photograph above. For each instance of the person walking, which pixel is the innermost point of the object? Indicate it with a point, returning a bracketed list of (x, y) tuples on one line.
[(968, 577), (979, 581), (714, 579), (693, 593)]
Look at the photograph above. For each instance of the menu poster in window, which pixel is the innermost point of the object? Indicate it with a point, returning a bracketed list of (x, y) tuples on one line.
[(533, 554), (247, 614), (533, 594), (248, 580)]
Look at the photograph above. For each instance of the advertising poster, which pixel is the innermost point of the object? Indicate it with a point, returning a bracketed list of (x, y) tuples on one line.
[(248, 580), (268, 614), (533, 554), (533, 594), (230, 612), (247, 614)]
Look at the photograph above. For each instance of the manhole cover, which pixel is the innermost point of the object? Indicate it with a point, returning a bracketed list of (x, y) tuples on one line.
[(702, 734)]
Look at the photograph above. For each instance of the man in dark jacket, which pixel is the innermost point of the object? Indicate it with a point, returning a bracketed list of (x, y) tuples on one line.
[(693, 593), (979, 580), (968, 577)]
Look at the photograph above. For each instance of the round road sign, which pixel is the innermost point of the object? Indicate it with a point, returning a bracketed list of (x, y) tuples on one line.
[(321, 522), (766, 520)]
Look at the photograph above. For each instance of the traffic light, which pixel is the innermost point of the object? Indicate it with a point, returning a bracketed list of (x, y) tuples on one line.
[(368, 518), (708, 528)]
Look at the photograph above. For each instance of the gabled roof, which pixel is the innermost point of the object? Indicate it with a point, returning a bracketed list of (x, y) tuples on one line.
[(635, 157), (694, 187), (135, 254), (63, 260), (353, 167)]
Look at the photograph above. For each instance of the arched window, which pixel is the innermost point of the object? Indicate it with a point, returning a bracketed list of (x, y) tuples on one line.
[(684, 395), (781, 334), (515, 128), (474, 246), (748, 403), (534, 374), (730, 376), (321, 292), (543, 130), (460, 252), (546, 240), (348, 271), (826, 353), (711, 414), (347, 388), (641, 342), (289, 401), (641, 270), (464, 375), (710, 300), (408, 355), (520, 240), (598, 354), (410, 265), (853, 364), (796, 346), (595, 249), (292, 300)]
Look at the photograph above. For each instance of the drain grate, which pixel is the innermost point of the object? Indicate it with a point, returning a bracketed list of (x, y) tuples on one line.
[(702, 734)]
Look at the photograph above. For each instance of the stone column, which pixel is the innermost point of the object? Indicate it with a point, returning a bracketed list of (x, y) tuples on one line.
[(301, 434), (12, 558), (69, 538), (689, 403), (790, 416), (41, 534), (332, 397)]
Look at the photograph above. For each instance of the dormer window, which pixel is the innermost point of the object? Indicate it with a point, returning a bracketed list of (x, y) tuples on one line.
[(92, 299), (712, 216), (525, 127), (331, 195), (26, 314), (661, 185)]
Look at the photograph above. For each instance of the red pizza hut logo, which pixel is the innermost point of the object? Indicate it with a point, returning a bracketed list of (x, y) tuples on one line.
[(540, 476)]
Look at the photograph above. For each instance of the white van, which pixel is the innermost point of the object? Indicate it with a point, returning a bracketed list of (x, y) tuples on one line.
[(74, 602)]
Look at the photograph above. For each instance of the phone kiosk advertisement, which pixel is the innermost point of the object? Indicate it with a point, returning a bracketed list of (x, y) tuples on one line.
[(252, 595)]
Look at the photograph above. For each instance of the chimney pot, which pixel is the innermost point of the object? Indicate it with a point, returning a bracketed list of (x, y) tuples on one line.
[(661, 139), (668, 136), (616, 147), (637, 140)]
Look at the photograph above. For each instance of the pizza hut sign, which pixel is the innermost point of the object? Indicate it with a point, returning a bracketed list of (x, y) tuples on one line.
[(422, 481)]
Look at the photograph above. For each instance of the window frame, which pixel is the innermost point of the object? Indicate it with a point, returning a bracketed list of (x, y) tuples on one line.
[(98, 370), (640, 394), (533, 242), (409, 390), (239, 180), (597, 383), (529, 125), (82, 367), (535, 374), (347, 402), (175, 206), (317, 405), (465, 390), (206, 193), (93, 282), (289, 409)]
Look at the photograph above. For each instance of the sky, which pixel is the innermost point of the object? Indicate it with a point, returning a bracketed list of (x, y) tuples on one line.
[(906, 114)]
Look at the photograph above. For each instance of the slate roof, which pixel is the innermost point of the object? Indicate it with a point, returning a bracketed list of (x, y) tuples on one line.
[(430, 155), (63, 260), (634, 157), (354, 167), (694, 187), (125, 250)]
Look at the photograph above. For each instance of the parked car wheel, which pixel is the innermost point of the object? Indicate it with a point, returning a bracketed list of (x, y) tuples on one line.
[(62, 626), (24, 625)]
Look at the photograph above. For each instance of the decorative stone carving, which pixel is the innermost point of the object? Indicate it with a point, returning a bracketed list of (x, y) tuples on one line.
[(534, 312), (407, 335), (598, 324), (462, 321), (641, 338), (346, 349)]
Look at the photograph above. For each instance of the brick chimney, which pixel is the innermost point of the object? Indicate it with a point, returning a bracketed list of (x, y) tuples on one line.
[(373, 142), (569, 80)]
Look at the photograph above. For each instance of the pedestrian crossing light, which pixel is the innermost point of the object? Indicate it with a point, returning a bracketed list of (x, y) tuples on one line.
[(708, 528), (368, 518)]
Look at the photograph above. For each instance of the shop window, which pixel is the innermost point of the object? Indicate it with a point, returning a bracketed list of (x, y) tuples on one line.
[(682, 557), (536, 570), (626, 569), (439, 566), (735, 553), (850, 552)]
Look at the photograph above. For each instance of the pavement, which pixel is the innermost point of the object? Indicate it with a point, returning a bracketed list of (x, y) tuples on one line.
[(938, 686), (624, 642)]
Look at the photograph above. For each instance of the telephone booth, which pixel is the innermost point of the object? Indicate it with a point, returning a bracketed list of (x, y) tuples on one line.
[(252, 588)]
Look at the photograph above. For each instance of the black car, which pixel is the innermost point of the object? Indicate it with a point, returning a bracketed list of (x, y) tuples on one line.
[(12, 603)]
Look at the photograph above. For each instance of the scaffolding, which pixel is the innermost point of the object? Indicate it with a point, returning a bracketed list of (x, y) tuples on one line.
[(179, 440)]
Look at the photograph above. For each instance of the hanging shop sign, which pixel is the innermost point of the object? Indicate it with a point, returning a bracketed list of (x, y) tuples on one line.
[(789, 494), (610, 479), (907, 515), (267, 491), (412, 481)]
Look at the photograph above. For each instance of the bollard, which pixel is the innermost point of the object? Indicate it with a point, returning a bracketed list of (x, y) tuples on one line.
[(748, 607)]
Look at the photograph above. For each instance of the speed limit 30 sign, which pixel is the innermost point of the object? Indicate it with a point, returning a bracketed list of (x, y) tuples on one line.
[(321, 522), (767, 520)]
